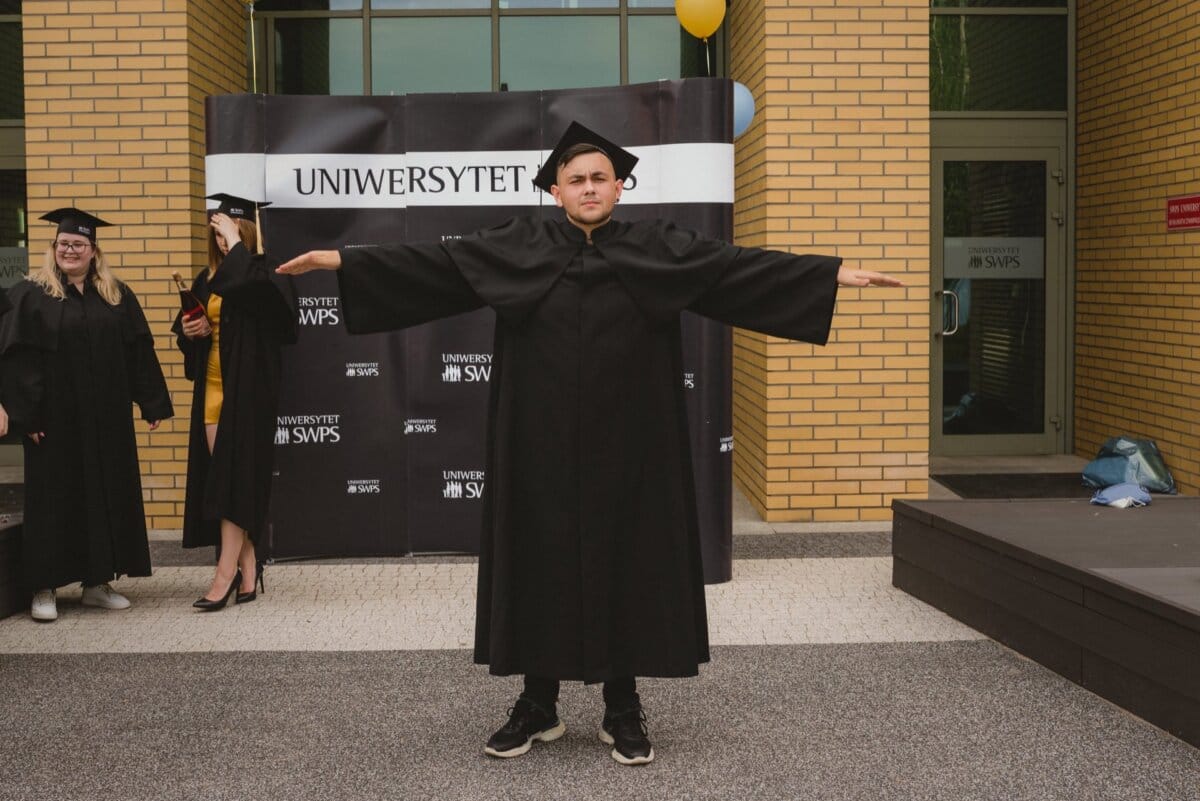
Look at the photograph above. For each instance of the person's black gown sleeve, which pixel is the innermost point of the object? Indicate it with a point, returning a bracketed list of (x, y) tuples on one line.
[(191, 349), (148, 386), (664, 268), (782, 294), (249, 281), (27, 330), (380, 295)]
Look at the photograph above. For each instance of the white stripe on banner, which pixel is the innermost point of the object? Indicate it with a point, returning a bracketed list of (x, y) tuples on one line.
[(240, 175), (678, 173)]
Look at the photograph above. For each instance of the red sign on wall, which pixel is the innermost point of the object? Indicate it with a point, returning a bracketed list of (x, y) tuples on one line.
[(1183, 213)]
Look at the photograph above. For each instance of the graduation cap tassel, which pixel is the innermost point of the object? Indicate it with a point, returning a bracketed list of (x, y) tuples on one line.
[(254, 89), (259, 247)]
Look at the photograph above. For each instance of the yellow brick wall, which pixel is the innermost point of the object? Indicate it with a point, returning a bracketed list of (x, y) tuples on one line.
[(836, 161), (114, 124), (1137, 349)]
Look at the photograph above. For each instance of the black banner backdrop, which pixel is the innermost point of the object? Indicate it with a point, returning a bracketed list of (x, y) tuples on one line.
[(381, 439)]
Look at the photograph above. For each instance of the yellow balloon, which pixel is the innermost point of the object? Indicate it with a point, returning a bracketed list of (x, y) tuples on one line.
[(700, 18)]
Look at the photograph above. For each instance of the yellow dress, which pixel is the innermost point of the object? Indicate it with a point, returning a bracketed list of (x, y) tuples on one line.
[(213, 394)]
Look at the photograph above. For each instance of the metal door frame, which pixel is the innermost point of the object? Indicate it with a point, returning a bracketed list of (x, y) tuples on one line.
[(1009, 140)]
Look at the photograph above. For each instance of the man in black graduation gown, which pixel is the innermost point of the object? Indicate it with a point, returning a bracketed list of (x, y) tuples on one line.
[(589, 565)]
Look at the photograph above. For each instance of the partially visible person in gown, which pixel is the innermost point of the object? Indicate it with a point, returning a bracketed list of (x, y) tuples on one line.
[(232, 354), (75, 354), (4, 307)]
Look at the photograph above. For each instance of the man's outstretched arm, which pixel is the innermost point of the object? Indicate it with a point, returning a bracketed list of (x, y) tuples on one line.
[(312, 260), (390, 287), (848, 277)]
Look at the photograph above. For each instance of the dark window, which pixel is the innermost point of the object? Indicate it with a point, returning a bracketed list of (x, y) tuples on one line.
[(12, 72), (318, 56), (431, 54), (472, 45), (412, 5), (998, 63), (559, 52), (998, 4), (656, 45), (308, 5)]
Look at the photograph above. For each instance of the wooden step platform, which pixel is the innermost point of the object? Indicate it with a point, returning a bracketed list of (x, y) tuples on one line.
[(1109, 598)]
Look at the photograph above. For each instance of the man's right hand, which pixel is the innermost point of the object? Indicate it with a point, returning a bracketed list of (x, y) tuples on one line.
[(312, 260)]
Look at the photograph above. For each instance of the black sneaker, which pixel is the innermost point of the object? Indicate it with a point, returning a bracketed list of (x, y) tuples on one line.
[(626, 732), (527, 722)]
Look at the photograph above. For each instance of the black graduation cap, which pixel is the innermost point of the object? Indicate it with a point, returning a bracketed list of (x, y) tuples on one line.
[(622, 160), (236, 207), (73, 221)]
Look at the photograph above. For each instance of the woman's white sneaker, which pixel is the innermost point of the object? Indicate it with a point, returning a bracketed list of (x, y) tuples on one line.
[(44, 606), (105, 597)]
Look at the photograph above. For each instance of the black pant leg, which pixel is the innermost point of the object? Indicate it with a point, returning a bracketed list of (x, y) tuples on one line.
[(542, 691), (620, 693)]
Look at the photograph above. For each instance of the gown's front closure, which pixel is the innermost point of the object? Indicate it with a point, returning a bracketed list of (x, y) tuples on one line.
[(580, 374), (86, 338)]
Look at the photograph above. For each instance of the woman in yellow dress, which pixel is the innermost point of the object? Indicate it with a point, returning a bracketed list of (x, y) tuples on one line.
[(232, 354)]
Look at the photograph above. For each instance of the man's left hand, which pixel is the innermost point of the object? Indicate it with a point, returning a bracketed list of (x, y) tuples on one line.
[(848, 277)]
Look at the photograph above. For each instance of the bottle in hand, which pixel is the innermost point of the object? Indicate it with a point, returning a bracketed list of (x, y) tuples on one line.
[(192, 307)]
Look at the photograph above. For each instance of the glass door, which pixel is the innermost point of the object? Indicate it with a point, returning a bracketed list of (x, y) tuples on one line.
[(998, 278)]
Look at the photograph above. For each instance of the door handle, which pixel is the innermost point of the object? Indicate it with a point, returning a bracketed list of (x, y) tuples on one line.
[(953, 329)]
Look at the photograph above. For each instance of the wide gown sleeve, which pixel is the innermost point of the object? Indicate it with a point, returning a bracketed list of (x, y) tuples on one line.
[(668, 269), (148, 386), (27, 329), (250, 281), (21, 370), (389, 287), (188, 347), (772, 292)]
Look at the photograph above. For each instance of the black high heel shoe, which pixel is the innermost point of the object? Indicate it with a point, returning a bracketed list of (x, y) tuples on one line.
[(212, 606), (259, 586)]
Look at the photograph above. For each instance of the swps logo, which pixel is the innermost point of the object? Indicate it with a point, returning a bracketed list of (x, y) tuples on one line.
[(416, 425), (363, 486), (308, 429), (466, 368), (462, 484), (319, 310)]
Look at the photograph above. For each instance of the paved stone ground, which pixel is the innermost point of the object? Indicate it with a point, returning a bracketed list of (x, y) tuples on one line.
[(431, 605), (352, 679)]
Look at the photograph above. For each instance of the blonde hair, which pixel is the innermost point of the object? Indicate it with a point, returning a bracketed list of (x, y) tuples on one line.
[(247, 230), (50, 278)]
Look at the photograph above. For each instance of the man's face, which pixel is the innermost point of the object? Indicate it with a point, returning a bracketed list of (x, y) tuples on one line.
[(587, 189)]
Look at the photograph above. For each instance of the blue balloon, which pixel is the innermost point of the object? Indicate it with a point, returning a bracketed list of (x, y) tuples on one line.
[(743, 108)]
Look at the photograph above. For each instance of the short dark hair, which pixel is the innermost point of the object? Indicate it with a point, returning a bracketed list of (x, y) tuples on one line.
[(578, 149)]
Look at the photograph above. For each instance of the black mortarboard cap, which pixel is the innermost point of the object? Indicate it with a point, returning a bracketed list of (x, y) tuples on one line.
[(236, 207), (73, 221), (622, 160)]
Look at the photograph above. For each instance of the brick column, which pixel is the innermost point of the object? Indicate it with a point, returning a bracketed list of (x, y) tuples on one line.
[(836, 161), (114, 124)]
